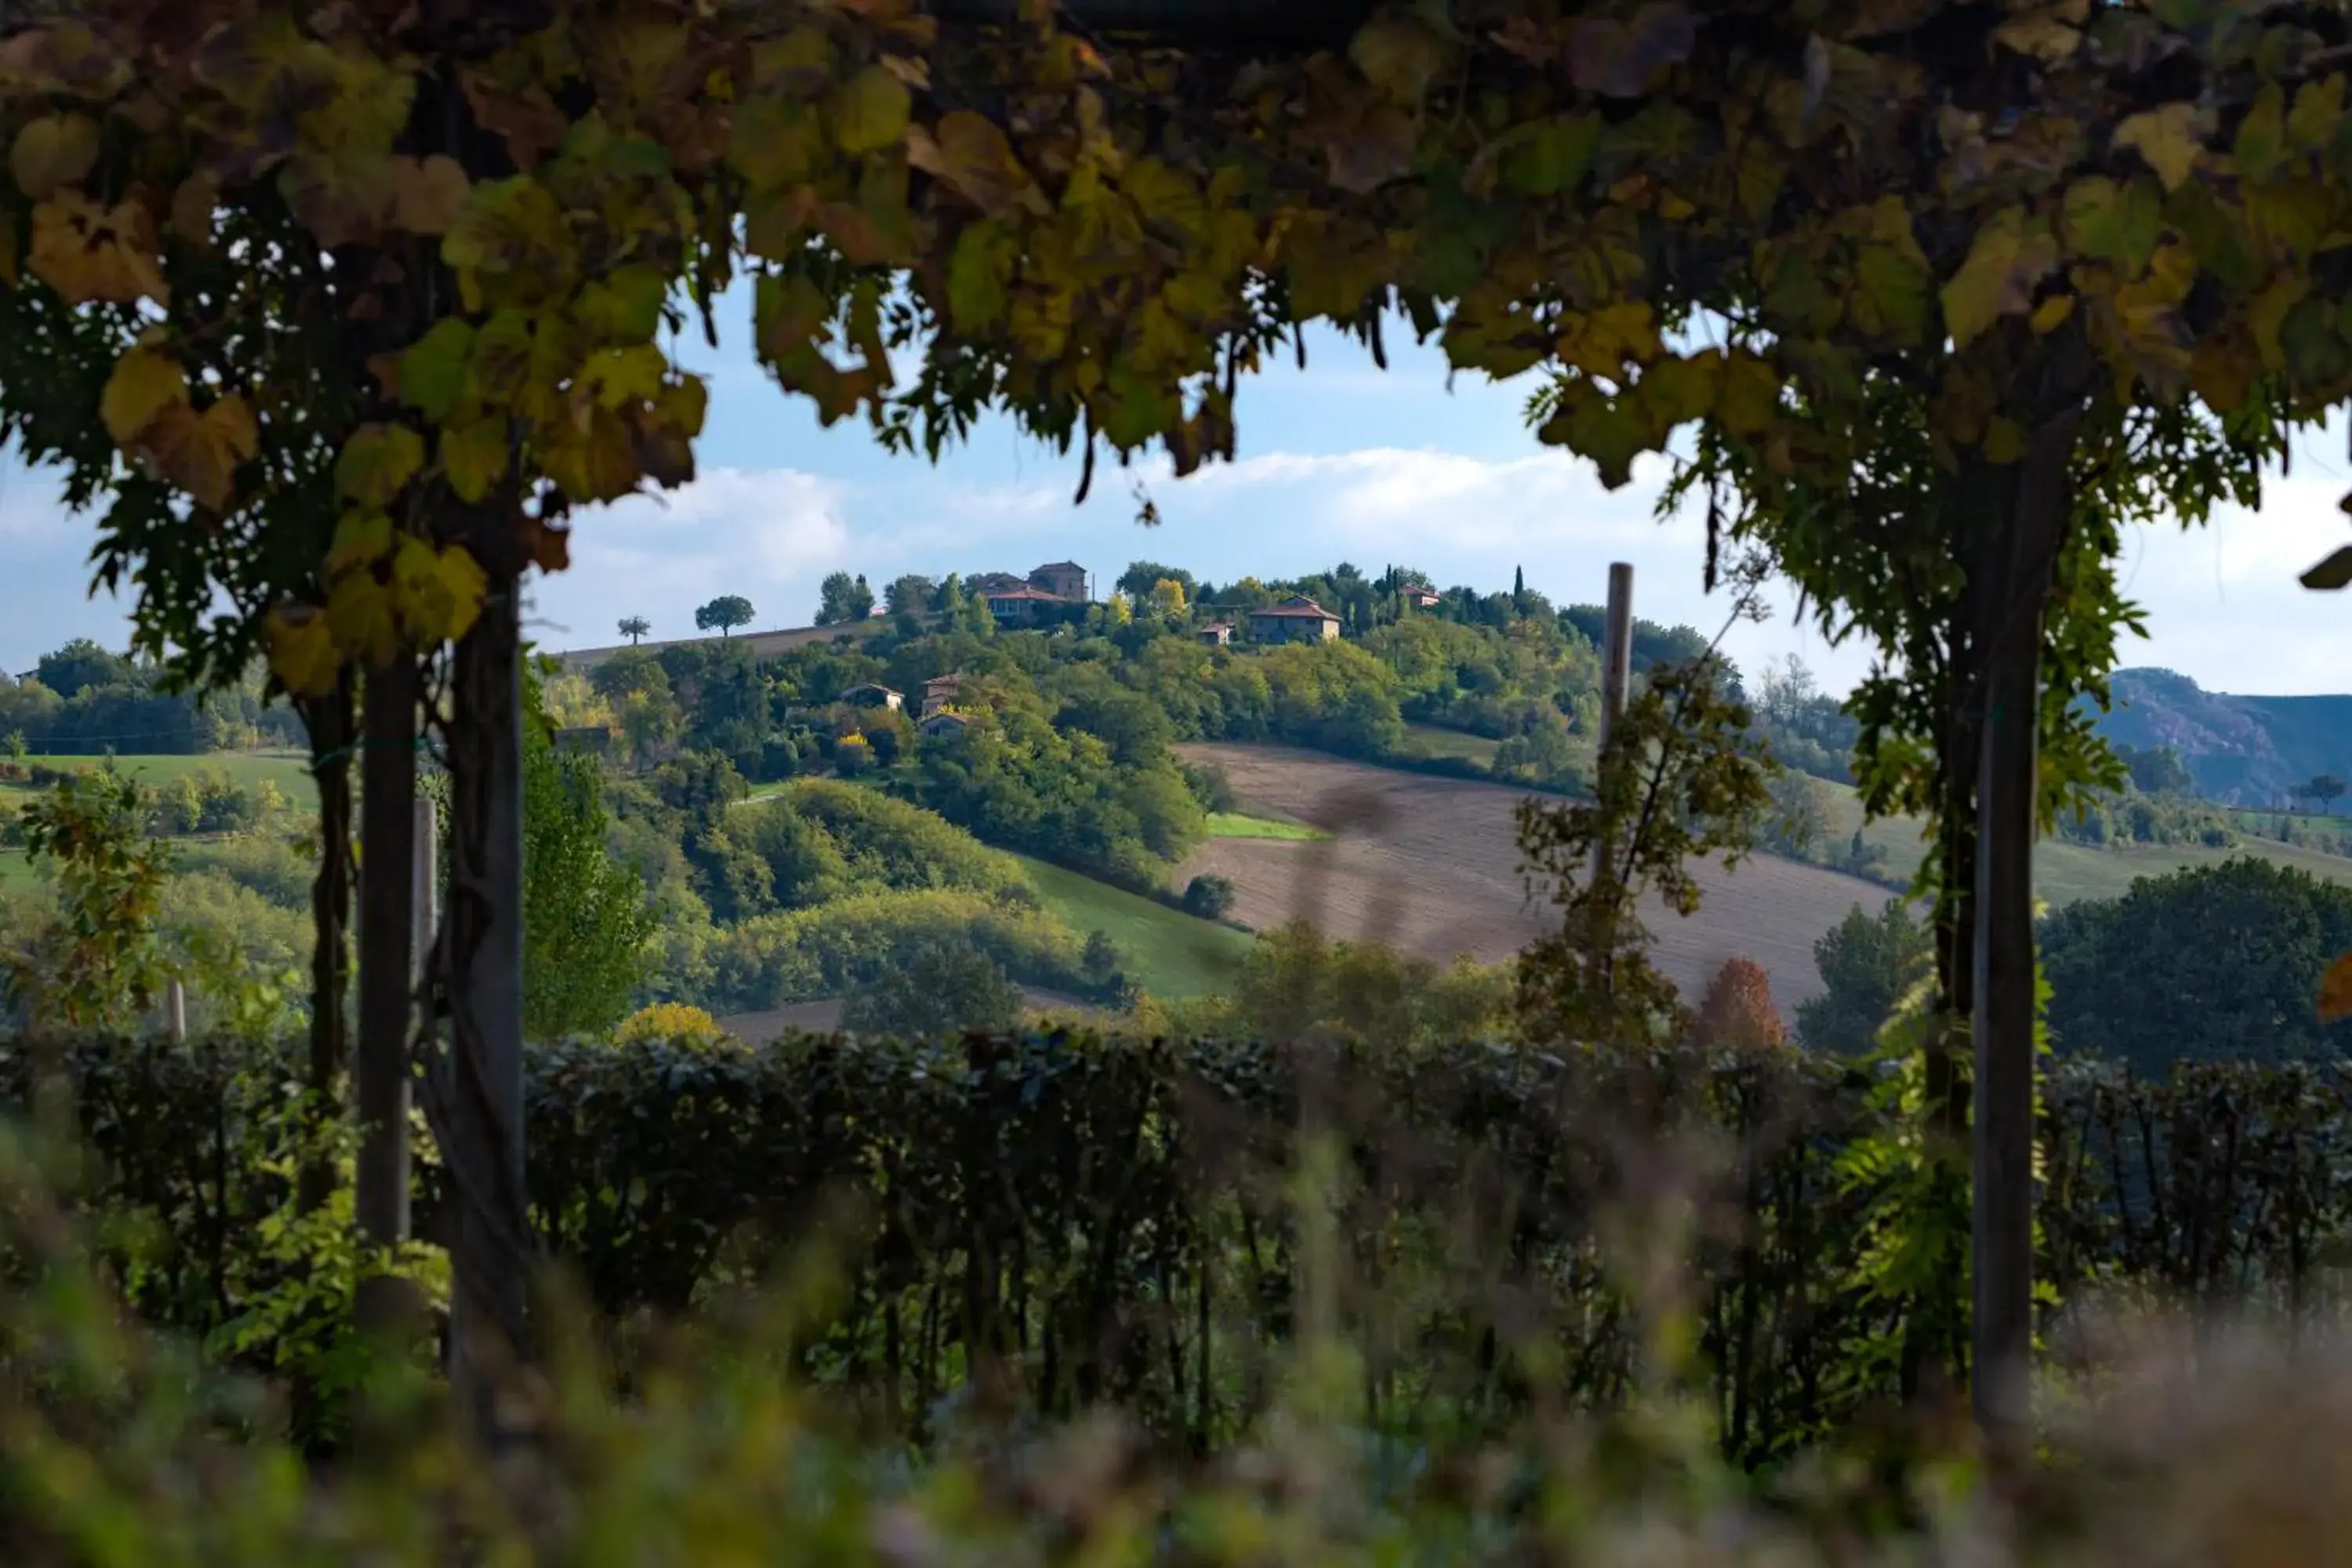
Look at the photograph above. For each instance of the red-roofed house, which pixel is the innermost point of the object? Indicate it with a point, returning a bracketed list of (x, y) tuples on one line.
[(1027, 606), (1297, 619), (1063, 579)]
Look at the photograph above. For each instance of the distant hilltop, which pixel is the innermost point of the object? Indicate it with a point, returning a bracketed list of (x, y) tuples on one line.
[(2243, 751)]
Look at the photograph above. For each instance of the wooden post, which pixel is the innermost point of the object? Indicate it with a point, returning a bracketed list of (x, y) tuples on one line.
[(1617, 648), (2002, 1217), (2029, 530), (484, 1083), (1616, 676), (175, 1010), (387, 968), (329, 721)]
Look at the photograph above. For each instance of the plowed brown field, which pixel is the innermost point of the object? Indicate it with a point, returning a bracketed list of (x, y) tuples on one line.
[(1432, 865)]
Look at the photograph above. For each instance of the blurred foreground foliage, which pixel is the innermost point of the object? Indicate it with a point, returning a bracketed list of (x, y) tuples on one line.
[(1040, 1225)]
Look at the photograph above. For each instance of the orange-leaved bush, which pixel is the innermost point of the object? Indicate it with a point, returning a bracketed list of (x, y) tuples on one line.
[(1737, 1013)]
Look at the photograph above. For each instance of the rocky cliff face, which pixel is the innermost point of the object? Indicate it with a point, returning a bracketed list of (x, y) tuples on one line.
[(2246, 751)]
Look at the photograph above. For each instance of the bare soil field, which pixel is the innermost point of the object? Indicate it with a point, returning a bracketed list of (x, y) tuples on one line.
[(1433, 864)]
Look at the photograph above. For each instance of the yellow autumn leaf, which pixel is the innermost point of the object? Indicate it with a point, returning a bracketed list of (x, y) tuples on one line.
[(200, 452), (2046, 35), (681, 406), (376, 462), (360, 618), (2336, 990), (1746, 395), (142, 386), (428, 193), (230, 422), (474, 457), (870, 111), (775, 143), (193, 203), (597, 464), (966, 153), (91, 254), (2167, 139), (303, 650), (2051, 314), (2222, 372), (2004, 440), (1600, 343), (439, 592), (2009, 255), (2266, 316), (2317, 113), (362, 537), (619, 377), (1399, 55), (53, 151)]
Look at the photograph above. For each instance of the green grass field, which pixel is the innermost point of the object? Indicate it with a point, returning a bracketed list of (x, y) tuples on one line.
[(1236, 825), (1174, 953), (287, 770), (1431, 741), (2065, 873)]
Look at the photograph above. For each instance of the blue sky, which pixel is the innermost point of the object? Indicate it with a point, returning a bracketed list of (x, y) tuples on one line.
[(1339, 462)]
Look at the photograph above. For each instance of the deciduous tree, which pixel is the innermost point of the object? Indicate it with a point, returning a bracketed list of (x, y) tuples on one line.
[(726, 612)]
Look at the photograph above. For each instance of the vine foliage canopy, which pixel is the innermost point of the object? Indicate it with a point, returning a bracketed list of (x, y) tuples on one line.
[(1698, 212)]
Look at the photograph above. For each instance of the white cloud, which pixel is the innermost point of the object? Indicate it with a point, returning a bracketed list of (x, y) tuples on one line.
[(769, 536)]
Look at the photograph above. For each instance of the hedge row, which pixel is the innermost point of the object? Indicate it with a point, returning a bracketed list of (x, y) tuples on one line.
[(1110, 1220)]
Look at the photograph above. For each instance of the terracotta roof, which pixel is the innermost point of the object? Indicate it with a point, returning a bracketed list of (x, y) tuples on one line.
[(872, 686), (1297, 608), (1218, 627), (1025, 592)]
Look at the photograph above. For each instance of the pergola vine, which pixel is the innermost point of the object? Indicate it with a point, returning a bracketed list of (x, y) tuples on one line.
[(368, 296)]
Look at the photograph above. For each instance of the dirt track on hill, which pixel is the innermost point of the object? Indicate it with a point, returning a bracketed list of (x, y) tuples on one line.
[(1431, 864)]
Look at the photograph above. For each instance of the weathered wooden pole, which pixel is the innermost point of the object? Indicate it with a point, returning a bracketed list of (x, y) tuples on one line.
[(1616, 676), (389, 845), (2033, 511), (175, 1010), (1617, 648), (490, 1248)]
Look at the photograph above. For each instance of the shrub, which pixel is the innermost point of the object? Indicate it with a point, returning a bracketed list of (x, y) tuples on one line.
[(1077, 1187), (1737, 1013), (1211, 787), (842, 946), (667, 1024), (940, 988), (1209, 897)]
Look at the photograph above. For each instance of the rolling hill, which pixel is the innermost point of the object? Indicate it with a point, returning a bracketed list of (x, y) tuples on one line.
[(1431, 864), (2064, 872), (2243, 751)]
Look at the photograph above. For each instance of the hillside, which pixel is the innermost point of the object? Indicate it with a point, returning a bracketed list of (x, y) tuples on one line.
[(1431, 864), (2244, 751), (762, 645), (2064, 873)]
